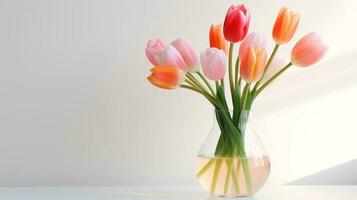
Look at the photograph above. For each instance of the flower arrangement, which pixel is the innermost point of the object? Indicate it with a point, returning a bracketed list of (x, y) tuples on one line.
[(177, 65)]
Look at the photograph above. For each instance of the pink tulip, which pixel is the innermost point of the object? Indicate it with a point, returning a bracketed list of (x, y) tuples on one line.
[(253, 57), (187, 54), (308, 50), (236, 23), (153, 47), (213, 62), (169, 56)]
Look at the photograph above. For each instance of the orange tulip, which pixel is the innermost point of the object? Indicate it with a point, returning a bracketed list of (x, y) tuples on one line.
[(253, 55), (166, 77), (285, 25), (216, 38)]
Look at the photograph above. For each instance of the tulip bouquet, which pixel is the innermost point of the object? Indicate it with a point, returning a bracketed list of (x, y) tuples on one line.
[(177, 65)]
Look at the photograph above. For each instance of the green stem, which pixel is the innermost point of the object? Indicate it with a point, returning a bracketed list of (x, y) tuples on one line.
[(205, 168), (237, 175), (209, 98), (230, 69), (266, 67), (190, 82), (236, 72), (217, 84), (245, 95), (207, 83), (196, 82), (234, 176), (246, 172), (229, 163), (272, 79), (215, 175)]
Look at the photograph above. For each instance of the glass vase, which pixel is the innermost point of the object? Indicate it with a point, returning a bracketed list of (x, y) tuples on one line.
[(232, 162)]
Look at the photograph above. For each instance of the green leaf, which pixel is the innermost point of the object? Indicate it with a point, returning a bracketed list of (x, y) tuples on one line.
[(221, 97)]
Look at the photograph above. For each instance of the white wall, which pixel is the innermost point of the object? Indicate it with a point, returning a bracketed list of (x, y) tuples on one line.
[(76, 109)]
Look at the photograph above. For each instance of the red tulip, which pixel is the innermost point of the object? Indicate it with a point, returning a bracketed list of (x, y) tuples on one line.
[(236, 23), (216, 38)]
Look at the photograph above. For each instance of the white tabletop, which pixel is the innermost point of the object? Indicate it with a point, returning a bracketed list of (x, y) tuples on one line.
[(173, 193)]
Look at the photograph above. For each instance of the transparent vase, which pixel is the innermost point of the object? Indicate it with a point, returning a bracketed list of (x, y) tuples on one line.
[(232, 161)]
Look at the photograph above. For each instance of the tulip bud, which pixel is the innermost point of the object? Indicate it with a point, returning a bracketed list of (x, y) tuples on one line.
[(216, 38), (166, 77), (308, 50), (285, 25), (153, 47), (169, 56), (213, 62), (187, 54), (253, 57), (236, 23)]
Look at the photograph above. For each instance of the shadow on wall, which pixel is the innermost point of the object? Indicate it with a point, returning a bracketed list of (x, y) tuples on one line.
[(343, 174), (329, 76)]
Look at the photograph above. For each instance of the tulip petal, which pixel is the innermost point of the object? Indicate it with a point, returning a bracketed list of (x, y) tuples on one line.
[(216, 38), (158, 83), (169, 56), (285, 23), (166, 77), (292, 27), (187, 53), (260, 64)]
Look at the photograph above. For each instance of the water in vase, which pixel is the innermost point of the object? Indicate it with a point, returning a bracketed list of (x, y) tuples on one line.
[(232, 176)]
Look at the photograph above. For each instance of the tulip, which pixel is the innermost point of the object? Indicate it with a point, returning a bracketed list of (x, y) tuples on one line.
[(213, 62), (285, 25), (169, 56), (252, 53), (216, 38), (308, 50), (153, 47), (166, 77), (236, 23), (187, 54)]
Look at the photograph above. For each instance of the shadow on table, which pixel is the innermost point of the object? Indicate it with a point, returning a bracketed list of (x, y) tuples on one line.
[(343, 174)]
